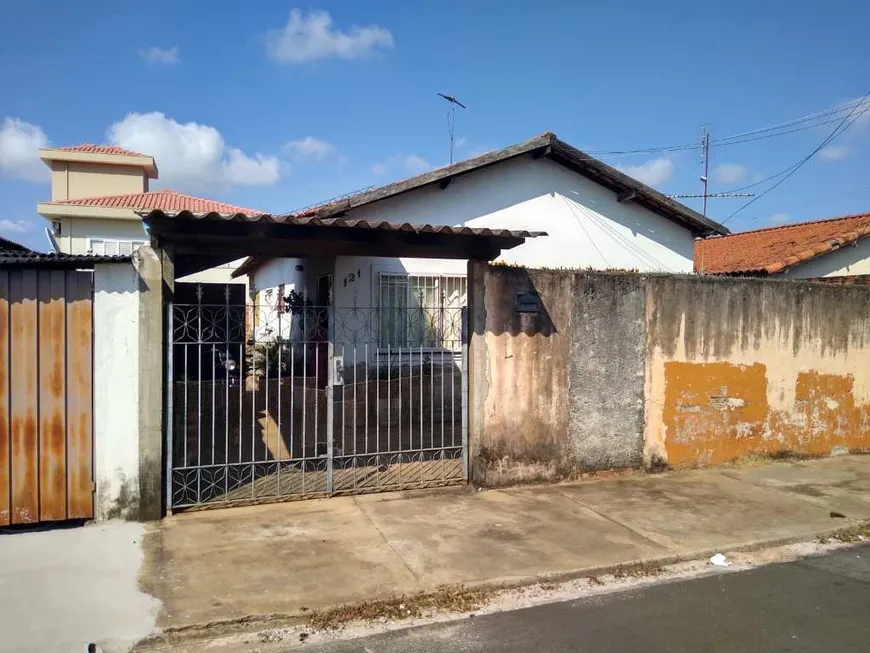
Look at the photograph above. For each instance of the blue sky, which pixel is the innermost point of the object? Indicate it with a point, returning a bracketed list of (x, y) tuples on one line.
[(251, 104)]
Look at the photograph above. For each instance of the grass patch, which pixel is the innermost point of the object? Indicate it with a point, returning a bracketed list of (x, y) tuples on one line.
[(850, 535), (447, 599), (638, 570)]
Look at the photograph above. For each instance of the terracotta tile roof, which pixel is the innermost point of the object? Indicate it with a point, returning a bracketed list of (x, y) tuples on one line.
[(768, 251), (162, 200), (90, 148)]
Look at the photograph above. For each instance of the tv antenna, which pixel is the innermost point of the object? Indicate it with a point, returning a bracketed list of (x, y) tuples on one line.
[(451, 118), (705, 162)]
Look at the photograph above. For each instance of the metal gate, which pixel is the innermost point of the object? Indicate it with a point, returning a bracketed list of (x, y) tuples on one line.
[(295, 400), (46, 395)]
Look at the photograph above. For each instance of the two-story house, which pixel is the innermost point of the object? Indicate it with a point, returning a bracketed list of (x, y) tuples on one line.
[(96, 194)]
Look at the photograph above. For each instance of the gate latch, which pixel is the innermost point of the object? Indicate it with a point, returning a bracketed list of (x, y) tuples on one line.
[(337, 370)]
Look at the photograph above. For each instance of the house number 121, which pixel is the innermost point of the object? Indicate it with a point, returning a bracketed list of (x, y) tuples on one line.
[(352, 277)]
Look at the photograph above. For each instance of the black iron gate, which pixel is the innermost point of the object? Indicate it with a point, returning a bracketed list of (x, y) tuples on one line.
[(291, 400)]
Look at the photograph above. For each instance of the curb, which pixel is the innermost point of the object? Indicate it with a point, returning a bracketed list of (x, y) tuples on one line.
[(253, 623)]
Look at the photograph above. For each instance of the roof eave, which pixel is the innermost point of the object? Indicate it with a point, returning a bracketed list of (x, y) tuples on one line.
[(147, 163), (618, 181)]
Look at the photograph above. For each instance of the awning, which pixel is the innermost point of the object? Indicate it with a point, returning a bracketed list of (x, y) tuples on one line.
[(204, 240)]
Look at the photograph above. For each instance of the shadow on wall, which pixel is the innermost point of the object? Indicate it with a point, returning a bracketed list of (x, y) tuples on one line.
[(519, 375), (515, 305)]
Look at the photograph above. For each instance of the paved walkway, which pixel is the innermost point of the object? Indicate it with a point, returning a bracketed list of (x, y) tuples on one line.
[(290, 558), (61, 589)]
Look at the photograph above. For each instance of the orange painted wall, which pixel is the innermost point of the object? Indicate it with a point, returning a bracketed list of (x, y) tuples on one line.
[(718, 412), (739, 368)]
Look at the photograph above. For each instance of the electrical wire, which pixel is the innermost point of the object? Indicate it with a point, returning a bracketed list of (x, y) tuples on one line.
[(810, 121), (840, 108), (844, 124), (821, 199)]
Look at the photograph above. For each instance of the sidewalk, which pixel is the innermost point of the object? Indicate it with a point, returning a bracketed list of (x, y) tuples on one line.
[(289, 559), (63, 588)]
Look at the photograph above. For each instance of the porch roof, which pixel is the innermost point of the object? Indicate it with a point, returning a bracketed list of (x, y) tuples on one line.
[(204, 240)]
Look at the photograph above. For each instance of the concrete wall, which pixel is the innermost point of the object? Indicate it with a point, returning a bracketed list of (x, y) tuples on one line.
[(852, 260), (557, 392), (128, 385), (116, 390), (740, 367), (623, 370)]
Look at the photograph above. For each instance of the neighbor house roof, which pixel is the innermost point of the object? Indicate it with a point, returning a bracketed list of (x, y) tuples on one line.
[(7, 246), (546, 145), (14, 254), (91, 148), (769, 251), (162, 200), (100, 154)]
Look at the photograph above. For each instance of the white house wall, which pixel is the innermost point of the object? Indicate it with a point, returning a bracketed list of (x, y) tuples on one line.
[(587, 227), (849, 261)]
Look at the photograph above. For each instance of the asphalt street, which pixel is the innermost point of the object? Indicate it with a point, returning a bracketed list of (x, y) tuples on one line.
[(820, 604)]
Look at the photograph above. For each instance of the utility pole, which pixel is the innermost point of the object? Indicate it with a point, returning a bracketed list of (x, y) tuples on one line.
[(705, 153)]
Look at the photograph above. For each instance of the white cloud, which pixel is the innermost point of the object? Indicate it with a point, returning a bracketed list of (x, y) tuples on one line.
[(309, 148), (161, 56), (653, 172), (414, 163), (311, 36), (19, 158), (190, 155), (779, 218), (243, 170), (14, 226), (729, 173), (836, 152), (403, 164)]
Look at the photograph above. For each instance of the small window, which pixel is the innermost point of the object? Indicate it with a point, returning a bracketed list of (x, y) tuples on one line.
[(112, 247)]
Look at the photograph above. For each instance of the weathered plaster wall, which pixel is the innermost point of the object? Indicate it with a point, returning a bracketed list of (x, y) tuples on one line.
[(116, 390), (520, 364), (606, 371), (623, 370), (740, 367), (557, 392)]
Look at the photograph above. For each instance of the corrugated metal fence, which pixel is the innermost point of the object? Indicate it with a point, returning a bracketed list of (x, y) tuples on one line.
[(46, 390)]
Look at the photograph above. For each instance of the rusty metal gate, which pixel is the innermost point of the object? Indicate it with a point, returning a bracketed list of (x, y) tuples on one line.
[(295, 400), (46, 390)]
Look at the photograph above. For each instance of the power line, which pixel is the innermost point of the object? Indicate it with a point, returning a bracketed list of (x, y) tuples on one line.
[(699, 195), (810, 121), (840, 108), (844, 124), (821, 199)]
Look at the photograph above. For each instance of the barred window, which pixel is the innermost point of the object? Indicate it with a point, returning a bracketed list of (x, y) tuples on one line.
[(421, 310)]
